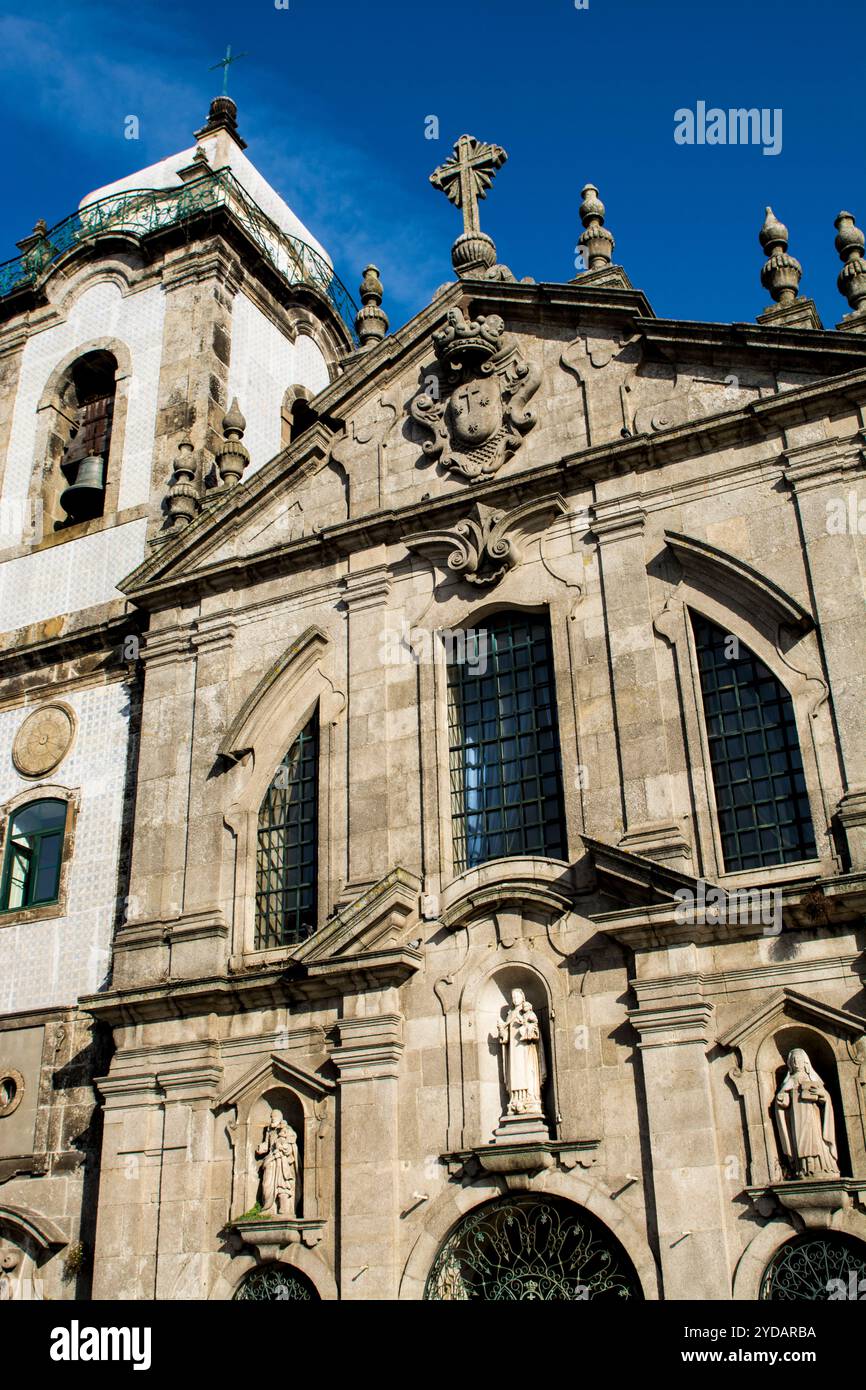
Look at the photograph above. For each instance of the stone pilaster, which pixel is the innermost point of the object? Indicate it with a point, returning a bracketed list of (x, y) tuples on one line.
[(365, 594), (650, 825), (127, 1229), (368, 1060), (159, 843), (829, 485), (200, 286), (690, 1204), (188, 1218), (199, 939)]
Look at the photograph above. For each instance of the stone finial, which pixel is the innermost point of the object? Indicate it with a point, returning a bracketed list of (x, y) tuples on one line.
[(41, 228), (371, 321), (183, 499), (852, 277), (595, 238), (222, 115), (234, 456), (464, 178), (780, 274)]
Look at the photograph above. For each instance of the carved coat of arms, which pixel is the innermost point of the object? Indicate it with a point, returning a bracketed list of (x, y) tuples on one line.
[(477, 412)]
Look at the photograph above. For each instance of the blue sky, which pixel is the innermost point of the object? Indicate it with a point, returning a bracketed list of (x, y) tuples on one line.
[(333, 98)]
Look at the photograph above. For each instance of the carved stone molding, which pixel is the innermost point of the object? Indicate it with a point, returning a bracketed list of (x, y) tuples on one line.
[(483, 547), (518, 1163), (269, 1235), (476, 406), (814, 1200)]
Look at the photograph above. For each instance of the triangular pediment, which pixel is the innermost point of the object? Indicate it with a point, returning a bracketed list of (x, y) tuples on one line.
[(377, 924), (592, 346), (801, 1008), (277, 1068)]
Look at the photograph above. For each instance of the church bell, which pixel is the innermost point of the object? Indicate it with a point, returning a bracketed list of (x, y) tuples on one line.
[(83, 500)]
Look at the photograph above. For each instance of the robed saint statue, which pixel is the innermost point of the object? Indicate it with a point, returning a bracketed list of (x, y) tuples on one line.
[(279, 1154), (522, 1056), (804, 1115)]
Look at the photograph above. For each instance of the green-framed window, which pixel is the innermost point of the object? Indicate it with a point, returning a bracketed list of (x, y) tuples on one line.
[(761, 799), (34, 854), (287, 859), (506, 779)]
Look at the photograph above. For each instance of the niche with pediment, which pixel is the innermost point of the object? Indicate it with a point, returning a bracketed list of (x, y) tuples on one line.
[(278, 1107), (828, 1071)]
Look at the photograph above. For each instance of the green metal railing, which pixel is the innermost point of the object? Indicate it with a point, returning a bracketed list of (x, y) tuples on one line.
[(140, 211)]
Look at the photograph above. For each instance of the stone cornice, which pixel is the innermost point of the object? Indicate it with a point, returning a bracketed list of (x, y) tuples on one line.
[(370, 1047), (673, 1025)]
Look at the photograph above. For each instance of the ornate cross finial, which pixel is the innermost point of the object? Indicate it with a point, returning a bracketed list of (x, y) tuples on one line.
[(464, 178), (225, 63)]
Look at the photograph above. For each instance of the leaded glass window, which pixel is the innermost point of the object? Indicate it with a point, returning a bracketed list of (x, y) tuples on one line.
[(506, 781), (34, 852), (761, 798), (816, 1268), (531, 1248), (287, 858)]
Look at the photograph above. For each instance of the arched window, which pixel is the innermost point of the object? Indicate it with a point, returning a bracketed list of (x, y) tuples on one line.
[(297, 415), (287, 859), (506, 782), (276, 1282), (34, 852), (531, 1247), (761, 798), (816, 1268), (87, 417)]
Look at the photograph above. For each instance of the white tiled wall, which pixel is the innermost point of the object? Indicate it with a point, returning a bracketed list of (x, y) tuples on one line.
[(51, 962), (69, 577), (264, 364)]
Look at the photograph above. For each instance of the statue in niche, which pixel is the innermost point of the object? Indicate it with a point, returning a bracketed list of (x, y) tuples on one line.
[(522, 1056), (804, 1115), (279, 1154)]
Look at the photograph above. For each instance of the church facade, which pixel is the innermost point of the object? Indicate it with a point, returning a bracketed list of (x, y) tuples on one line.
[(433, 767)]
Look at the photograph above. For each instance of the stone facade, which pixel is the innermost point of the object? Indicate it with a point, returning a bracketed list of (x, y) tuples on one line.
[(640, 475)]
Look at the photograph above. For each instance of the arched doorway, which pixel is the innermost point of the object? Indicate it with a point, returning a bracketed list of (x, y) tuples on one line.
[(818, 1266), (276, 1283), (531, 1247)]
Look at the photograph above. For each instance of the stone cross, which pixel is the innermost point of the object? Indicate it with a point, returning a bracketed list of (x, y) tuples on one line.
[(225, 63), (466, 176)]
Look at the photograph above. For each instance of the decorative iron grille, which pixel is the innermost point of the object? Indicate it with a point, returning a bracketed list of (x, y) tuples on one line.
[(287, 844), (140, 211), (533, 1248), (816, 1269), (506, 782), (761, 799), (274, 1283)]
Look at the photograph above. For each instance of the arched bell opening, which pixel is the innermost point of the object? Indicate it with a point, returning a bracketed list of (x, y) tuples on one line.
[(87, 416)]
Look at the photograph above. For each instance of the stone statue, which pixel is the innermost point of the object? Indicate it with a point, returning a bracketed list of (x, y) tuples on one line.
[(804, 1115), (279, 1154), (522, 1057)]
